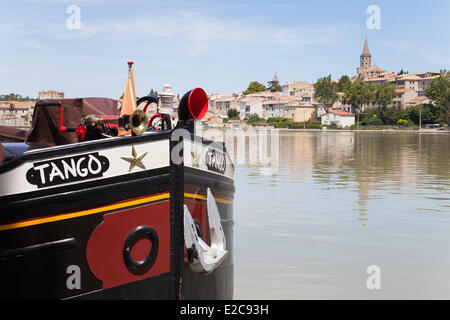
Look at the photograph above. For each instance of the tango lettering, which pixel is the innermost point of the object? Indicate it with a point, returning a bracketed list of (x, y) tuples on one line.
[(70, 169)]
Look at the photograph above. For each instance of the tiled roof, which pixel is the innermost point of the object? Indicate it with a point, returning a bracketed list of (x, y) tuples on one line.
[(297, 85), (418, 99), (376, 69), (51, 91), (341, 113), (408, 77)]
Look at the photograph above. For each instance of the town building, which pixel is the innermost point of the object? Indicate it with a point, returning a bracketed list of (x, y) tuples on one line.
[(212, 119), (51, 94), (221, 103), (275, 108), (251, 105), (304, 113), (417, 82), (403, 96), (298, 88), (16, 113), (417, 101), (340, 118)]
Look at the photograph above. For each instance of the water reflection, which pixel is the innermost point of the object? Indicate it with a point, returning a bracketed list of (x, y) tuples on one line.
[(343, 201), (378, 163)]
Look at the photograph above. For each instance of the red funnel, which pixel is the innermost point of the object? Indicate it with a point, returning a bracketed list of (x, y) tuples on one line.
[(193, 105)]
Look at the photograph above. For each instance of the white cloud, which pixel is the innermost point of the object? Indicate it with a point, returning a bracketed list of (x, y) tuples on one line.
[(423, 51), (199, 33)]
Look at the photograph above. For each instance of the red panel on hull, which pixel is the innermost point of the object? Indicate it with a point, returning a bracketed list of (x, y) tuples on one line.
[(105, 249), (198, 210)]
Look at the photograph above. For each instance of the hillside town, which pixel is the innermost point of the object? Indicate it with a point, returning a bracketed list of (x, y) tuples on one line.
[(18, 113), (295, 100)]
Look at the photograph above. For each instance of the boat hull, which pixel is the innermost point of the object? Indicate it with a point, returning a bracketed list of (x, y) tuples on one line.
[(114, 233)]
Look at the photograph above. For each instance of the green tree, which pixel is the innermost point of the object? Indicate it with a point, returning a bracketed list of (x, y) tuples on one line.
[(254, 87), (384, 94), (383, 97), (344, 83), (370, 117), (153, 93), (359, 94), (232, 113), (325, 92), (389, 115), (426, 113), (274, 86), (14, 97), (439, 93)]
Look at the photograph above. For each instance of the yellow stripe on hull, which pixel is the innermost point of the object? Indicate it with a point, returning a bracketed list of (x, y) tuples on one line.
[(101, 209)]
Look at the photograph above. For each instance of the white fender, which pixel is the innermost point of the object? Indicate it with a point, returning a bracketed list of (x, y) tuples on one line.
[(204, 258)]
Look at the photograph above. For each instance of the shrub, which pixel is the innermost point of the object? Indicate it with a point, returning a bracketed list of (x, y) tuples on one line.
[(233, 113), (254, 118), (280, 125), (295, 125), (332, 126), (278, 120)]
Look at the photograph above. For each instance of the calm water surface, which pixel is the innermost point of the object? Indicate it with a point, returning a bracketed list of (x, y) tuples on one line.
[(340, 202)]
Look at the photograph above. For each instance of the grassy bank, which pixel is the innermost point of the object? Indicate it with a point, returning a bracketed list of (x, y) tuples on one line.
[(372, 125), (287, 123)]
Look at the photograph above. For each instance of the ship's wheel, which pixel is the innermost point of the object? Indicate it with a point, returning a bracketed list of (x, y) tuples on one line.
[(144, 103), (157, 121)]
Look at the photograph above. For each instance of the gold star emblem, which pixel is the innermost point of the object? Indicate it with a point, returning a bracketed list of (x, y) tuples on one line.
[(135, 160)]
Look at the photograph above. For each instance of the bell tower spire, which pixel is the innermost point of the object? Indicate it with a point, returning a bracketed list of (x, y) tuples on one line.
[(275, 77), (366, 57)]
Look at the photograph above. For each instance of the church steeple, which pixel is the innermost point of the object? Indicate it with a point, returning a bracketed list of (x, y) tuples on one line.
[(275, 78), (366, 51), (366, 57)]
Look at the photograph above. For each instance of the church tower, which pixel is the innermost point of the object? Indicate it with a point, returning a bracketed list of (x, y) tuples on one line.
[(365, 60), (275, 77), (366, 57)]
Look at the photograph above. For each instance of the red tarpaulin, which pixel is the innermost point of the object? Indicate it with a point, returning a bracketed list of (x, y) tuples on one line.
[(44, 128)]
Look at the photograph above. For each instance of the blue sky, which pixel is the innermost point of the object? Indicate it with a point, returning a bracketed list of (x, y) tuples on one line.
[(218, 45)]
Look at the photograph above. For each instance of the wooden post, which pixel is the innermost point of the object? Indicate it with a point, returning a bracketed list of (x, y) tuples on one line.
[(130, 66)]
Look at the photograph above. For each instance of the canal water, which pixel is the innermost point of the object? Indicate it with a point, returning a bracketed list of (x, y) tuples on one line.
[(346, 215)]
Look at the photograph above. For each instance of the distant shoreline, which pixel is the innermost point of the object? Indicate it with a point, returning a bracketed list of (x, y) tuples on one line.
[(366, 130)]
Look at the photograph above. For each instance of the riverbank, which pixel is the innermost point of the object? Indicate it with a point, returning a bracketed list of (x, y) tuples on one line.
[(286, 124), (366, 130), (244, 126)]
